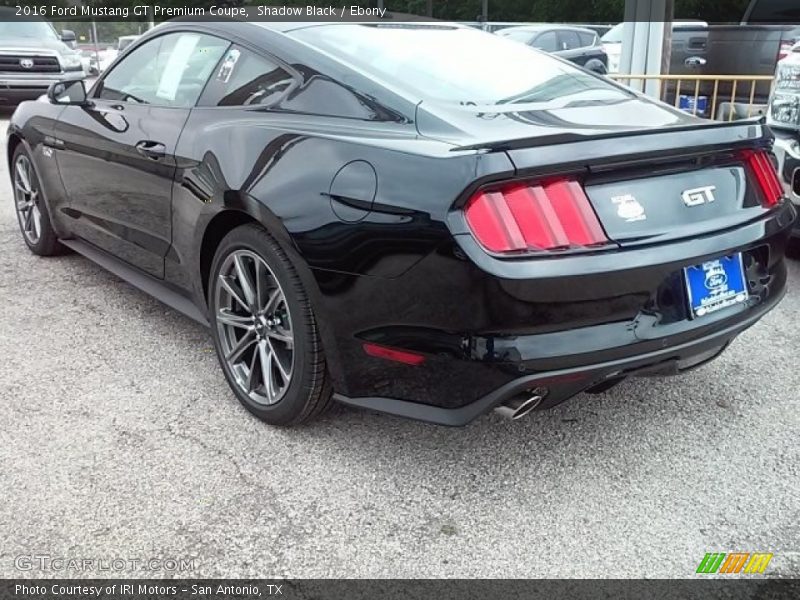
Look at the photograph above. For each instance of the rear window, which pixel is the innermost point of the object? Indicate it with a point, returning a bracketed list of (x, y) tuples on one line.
[(459, 65)]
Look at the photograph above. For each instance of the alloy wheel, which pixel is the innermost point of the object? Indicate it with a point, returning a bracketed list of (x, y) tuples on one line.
[(27, 197), (254, 327)]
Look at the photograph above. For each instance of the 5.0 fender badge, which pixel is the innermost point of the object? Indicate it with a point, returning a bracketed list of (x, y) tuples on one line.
[(629, 208)]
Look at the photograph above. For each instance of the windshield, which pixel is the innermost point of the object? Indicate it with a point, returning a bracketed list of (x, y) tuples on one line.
[(27, 29), (459, 65)]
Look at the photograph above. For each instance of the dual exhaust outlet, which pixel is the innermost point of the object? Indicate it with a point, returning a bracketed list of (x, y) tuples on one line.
[(521, 404)]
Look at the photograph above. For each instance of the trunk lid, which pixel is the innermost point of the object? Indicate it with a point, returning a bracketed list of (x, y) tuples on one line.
[(685, 201), (648, 186)]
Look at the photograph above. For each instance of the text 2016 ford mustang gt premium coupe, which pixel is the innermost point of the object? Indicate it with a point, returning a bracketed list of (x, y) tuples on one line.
[(425, 220)]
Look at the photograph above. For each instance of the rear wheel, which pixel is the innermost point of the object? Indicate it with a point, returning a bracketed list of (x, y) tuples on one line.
[(34, 222), (264, 330)]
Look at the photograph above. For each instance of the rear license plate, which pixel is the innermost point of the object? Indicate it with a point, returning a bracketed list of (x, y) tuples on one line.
[(698, 105), (715, 285)]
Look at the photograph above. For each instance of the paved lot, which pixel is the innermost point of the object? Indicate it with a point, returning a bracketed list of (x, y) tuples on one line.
[(119, 438)]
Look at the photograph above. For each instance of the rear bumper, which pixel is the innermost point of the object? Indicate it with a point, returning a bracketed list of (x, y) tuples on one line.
[(491, 328), (564, 383)]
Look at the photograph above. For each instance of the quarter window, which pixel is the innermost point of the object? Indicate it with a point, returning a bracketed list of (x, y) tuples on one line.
[(170, 70), (587, 39), (246, 79)]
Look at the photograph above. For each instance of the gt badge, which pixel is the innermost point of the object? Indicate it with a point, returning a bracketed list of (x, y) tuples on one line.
[(629, 208), (697, 196)]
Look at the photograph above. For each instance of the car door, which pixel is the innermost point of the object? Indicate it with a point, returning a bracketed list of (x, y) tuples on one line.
[(569, 46), (117, 157)]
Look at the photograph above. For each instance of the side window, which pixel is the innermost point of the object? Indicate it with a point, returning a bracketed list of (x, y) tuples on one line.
[(546, 41), (568, 40), (170, 70), (587, 39), (245, 79)]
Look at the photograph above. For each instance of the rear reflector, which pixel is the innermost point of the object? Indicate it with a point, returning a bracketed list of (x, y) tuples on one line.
[(761, 166), (549, 215), (401, 356)]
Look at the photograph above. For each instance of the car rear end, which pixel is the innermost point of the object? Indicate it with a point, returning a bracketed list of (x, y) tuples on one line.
[(647, 258), (592, 234)]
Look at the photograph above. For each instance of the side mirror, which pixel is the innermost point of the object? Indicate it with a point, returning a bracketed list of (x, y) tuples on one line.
[(68, 37), (68, 92)]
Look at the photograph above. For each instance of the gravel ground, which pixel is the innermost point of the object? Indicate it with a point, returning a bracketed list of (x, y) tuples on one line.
[(120, 438)]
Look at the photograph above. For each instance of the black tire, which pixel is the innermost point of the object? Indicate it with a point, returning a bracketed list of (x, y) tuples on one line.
[(308, 392), (46, 242)]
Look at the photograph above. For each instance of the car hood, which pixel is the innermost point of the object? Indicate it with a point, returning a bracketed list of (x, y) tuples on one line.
[(550, 122), (32, 44)]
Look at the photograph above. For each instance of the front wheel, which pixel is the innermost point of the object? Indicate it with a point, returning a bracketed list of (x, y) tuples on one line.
[(265, 331), (34, 222)]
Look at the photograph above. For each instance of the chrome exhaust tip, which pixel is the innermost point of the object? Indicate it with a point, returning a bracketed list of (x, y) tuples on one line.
[(520, 405)]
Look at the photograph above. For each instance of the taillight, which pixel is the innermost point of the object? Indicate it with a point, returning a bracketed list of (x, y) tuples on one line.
[(784, 50), (761, 166), (549, 215)]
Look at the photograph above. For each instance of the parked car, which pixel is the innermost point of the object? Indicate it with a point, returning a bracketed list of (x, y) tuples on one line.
[(681, 39), (89, 62), (783, 117), (32, 56), (124, 41), (576, 44), (425, 220)]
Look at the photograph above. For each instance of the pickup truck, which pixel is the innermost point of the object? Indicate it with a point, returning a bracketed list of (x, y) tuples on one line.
[(768, 31), (32, 56), (783, 117)]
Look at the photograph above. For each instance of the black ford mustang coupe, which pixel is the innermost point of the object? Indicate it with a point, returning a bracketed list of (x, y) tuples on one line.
[(424, 220)]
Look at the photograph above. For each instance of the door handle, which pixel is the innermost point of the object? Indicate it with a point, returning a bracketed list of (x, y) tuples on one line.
[(695, 61), (151, 149)]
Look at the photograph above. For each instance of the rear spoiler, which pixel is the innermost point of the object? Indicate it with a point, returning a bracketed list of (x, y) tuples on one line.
[(569, 138)]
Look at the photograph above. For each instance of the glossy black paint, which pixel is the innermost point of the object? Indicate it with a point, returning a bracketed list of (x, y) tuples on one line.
[(367, 206)]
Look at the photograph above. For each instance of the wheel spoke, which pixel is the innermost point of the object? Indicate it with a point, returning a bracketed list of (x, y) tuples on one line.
[(226, 317), (37, 220), (28, 215), (276, 357), (266, 371), (244, 281), (251, 382), (23, 177), (247, 340), (274, 299), (261, 277), (236, 295), (281, 336)]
